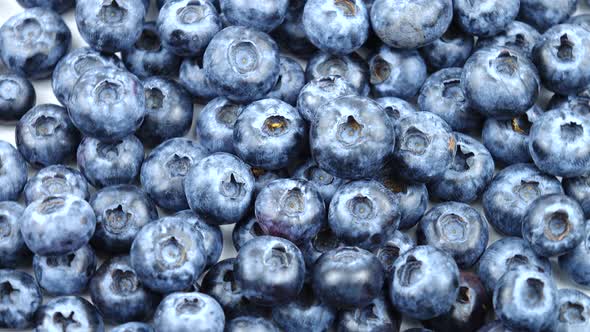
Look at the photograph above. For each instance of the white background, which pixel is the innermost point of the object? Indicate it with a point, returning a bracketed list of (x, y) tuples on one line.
[(45, 95)]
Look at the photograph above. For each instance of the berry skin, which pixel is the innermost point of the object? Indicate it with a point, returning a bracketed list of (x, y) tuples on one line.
[(121, 211), (250, 323), (33, 41), (325, 183), (269, 270), (167, 255), (336, 27), (362, 211), (57, 225), (305, 313), (578, 188), (17, 97), (319, 91), (269, 134), (351, 67), (390, 20), (264, 17), (291, 33), (543, 14), (425, 283), (219, 187), (21, 298), (450, 50), (111, 26), (164, 170), (376, 316), (347, 277), (69, 69), (107, 103), (13, 250), (215, 125), (245, 230), (413, 197), (396, 73), (59, 6), (351, 137), (395, 244), (485, 18), (325, 240), (574, 308), (241, 63), (70, 312), (46, 136), (14, 175), (212, 236), (189, 312), (67, 274), (118, 294), (107, 164), (292, 209), (192, 77), (291, 80), (575, 262), (518, 36), (187, 26), (133, 327), (56, 180)]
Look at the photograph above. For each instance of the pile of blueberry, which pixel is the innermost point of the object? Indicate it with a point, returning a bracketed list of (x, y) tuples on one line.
[(118, 202)]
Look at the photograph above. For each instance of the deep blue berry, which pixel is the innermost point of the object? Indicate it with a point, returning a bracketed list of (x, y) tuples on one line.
[(291, 33), (319, 91), (215, 124), (59, 6), (260, 16), (350, 67), (20, 299), (56, 180), (14, 172), (394, 245), (212, 236), (133, 327), (376, 316), (192, 77), (245, 230), (578, 188), (325, 240), (450, 50), (69, 313), (485, 18), (325, 183), (413, 197), (305, 313), (291, 80), (574, 310), (17, 96), (189, 312), (396, 73), (13, 250), (575, 263), (518, 36), (543, 14)]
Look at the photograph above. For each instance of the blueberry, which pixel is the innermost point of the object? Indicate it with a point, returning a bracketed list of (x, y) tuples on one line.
[(348, 277), (57, 225), (187, 26), (575, 262), (325, 183), (508, 140), (13, 250), (424, 147), (164, 169), (242, 63), (553, 225), (133, 327), (59, 6), (376, 316), (220, 188), (107, 103), (69, 69), (351, 137), (56, 180), (245, 230), (192, 77), (336, 27), (269, 270), (574, 310), (33, 41), (543, 14), (509, 195), (305, 313), (425, 282), (351, 67), (269, 134), (518, 36), (494, 326), (410, 24), (413, 197), (169, 111), (579, 102), (167, 255), (112, 25), (291, 80), (500, 82), (485, 18), (526, 299), (442, 94), (189, 312), (147, 57), (396, 108), (396, 73), (469, 174), (578, 188), (71, 313), (469, 310), (570, 157), (450, 50), (260, 16), (394, 245), (121, 211), (506, 254), (361, 211), (13, 172), (17, 96), (212, 236), (325, 240), (250, 323), (20, 298), (319, 91), (220, 283), (456, 228), (582, 20), (215, 124), (67, 274), (291, 33), (264, 177), (106, 164), (46, 136), (118, 294), (562, 58)]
